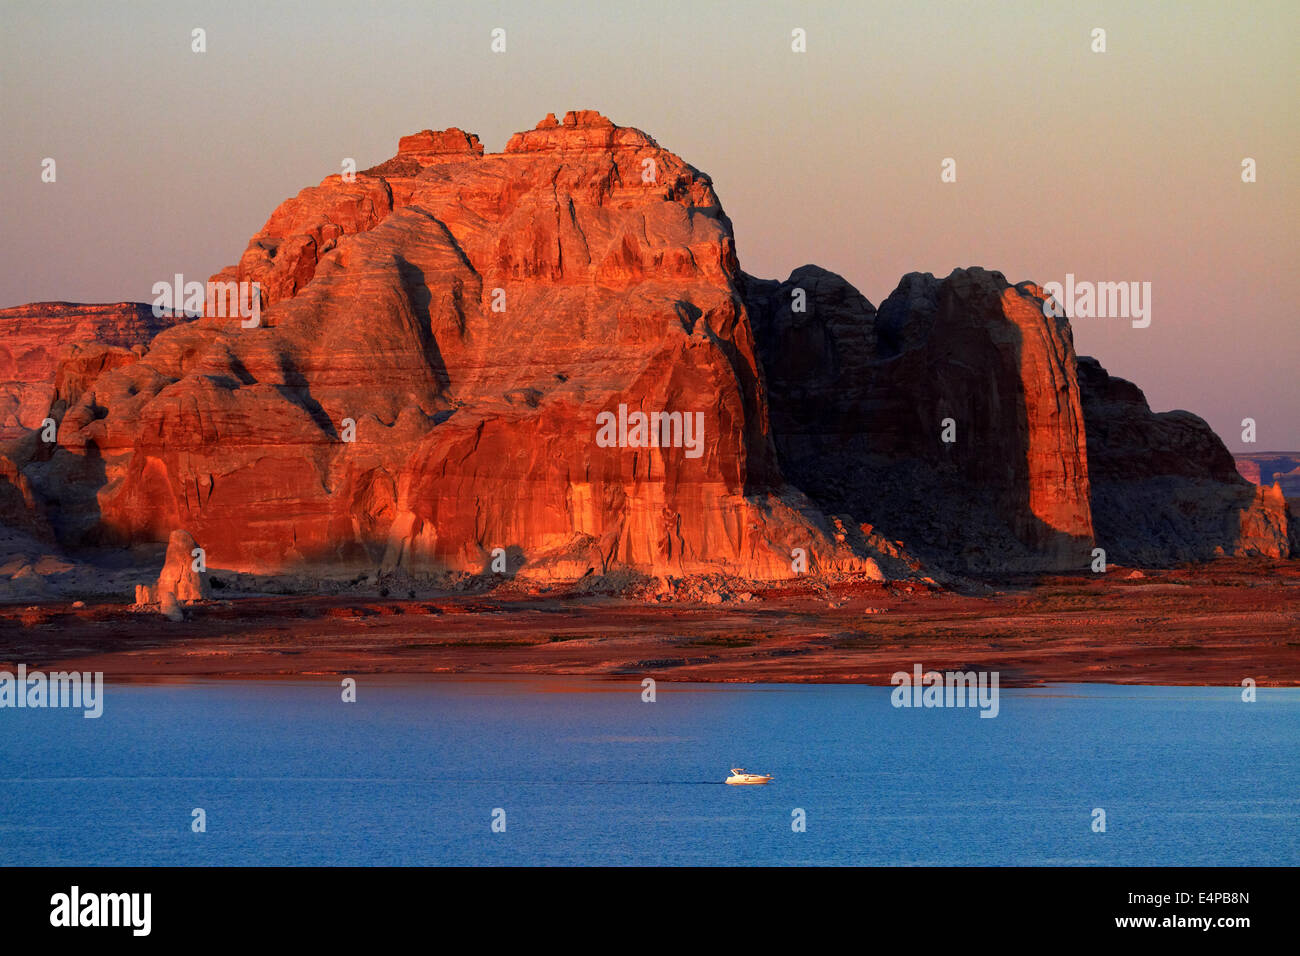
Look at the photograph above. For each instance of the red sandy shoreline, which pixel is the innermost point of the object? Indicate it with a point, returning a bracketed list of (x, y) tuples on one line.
[(1209, 625)]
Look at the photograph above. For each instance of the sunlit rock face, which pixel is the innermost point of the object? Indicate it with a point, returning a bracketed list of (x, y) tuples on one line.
[(35, 338), (438, 342)]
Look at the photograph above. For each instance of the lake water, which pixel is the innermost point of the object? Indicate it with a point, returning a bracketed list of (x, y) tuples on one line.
[(585, 772)]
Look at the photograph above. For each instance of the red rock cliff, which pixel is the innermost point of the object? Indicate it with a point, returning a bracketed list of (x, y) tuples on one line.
[(465, 318), (35, 337)]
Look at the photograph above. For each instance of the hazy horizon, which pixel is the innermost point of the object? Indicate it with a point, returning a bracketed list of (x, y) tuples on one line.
[(1115, 166)]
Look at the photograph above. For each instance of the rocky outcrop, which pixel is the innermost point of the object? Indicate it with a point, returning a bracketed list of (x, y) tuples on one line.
[(1165, 490), (180, 581), (35, 338), (430, 374), (950, 418), (546, 363), (282, 257)]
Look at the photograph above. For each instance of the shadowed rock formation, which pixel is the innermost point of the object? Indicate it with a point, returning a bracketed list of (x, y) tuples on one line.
[(1165, 489), (861, 400)]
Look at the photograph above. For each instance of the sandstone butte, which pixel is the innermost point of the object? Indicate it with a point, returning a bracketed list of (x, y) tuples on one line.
[(465, 317)]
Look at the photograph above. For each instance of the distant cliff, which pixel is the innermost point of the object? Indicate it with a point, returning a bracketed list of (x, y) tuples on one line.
[(1269, 467)]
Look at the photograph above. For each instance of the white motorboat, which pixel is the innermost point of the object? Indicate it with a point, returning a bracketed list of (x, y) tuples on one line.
[(739, 776)]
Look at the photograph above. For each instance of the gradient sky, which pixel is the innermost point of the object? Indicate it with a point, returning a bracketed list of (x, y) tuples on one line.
[(1117, 166)]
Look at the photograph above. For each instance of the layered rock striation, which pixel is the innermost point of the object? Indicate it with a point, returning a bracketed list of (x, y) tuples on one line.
[(36, 339)]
